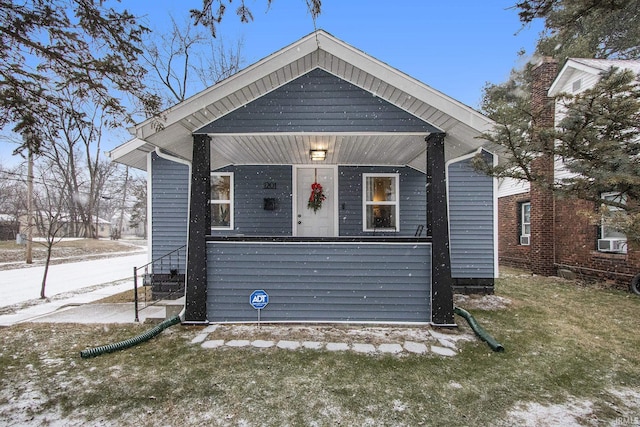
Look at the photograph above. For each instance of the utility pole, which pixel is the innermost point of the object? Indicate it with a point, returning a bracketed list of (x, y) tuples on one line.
[(29, 259)]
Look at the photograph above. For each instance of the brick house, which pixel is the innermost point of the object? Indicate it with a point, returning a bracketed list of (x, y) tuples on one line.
[(544, 233)]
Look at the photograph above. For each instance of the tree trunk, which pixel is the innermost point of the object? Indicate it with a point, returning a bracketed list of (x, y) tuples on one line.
[(46, 270), (124, 200)]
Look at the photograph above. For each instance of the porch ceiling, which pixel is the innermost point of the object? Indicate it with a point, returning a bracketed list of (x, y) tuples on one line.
[(387, 149), (342, 149)]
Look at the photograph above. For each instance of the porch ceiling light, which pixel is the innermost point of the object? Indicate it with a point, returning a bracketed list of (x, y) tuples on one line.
[(318, 155)]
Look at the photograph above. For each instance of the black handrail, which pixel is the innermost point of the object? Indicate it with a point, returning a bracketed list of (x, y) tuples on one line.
[(146, 271)]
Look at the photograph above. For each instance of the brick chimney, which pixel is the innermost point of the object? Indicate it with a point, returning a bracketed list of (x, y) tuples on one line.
[(542, 199)]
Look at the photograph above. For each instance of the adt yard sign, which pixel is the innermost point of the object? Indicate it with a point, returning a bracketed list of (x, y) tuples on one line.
[(259, 299)]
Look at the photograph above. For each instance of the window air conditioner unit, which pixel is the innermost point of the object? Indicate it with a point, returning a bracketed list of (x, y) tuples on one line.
[(524, 240), (612, 245)]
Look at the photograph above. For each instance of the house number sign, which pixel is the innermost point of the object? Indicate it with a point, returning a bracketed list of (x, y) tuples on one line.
[(269, 185)]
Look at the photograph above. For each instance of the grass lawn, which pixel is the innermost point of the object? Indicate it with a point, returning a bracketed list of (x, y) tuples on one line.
[(571, 355)]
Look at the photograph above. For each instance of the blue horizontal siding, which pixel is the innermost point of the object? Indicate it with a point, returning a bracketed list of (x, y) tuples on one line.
[(170, 211), (320, 282), (318, 102), (250, 217), (471, 219)]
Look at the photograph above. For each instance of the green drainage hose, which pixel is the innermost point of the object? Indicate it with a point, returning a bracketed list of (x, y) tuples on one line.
[(146, 336), (481, 333)]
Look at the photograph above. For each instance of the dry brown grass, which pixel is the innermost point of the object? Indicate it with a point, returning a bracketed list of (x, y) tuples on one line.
[(144, 294), (567, 347)]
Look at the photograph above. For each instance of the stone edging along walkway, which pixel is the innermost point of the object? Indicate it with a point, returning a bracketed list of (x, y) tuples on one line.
[(418, 341)]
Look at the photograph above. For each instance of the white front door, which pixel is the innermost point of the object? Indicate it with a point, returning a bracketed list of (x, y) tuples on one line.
[(321, 222)]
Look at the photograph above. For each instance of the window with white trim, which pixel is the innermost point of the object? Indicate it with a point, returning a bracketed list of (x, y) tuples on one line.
[(381, 206), (612, 239), (222, 201), (525, 223)]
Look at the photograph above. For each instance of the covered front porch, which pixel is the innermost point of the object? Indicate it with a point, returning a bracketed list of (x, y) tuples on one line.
[(321, 279), (379, 257)]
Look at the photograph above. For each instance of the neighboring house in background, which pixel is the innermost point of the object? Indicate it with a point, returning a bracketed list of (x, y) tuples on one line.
[(67, 227), (231, 173), (9, 227), (546, 234), (128, 229), (104, 227)]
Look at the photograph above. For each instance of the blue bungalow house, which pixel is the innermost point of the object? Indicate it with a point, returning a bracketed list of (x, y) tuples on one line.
[(340, 186)]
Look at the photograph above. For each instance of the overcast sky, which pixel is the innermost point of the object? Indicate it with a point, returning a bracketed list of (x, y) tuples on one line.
[(455, 47)]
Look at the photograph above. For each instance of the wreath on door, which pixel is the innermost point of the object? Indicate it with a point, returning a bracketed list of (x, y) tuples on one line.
[(316, 198)]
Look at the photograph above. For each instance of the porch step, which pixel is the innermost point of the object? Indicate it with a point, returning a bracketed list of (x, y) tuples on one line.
[(167, 286)]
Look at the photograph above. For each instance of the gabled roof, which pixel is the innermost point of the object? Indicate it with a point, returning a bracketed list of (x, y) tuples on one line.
[(591, 66), (319, 50)]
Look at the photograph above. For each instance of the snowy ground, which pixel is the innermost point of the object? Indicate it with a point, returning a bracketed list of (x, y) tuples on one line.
[(22, 285), (576, 412)]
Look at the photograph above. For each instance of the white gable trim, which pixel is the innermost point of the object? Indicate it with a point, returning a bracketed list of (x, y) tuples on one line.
[(172, 130)]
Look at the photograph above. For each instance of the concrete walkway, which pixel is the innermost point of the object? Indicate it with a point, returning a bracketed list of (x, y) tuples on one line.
[(81, 308)]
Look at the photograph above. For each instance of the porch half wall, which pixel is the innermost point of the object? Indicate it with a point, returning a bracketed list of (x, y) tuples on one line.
[(376, 282)]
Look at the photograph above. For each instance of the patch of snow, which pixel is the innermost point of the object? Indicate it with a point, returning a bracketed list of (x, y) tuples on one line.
[(53, 362), (632, 397), (575, 412), (399, 406), (534, 414), (21, 285), (481, 302)]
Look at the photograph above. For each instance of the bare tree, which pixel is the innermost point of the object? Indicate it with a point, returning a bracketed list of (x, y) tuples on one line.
[(50, 218), (186, 53), (74, 149)]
